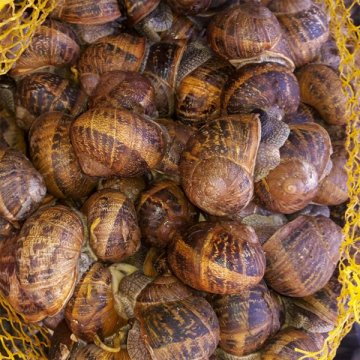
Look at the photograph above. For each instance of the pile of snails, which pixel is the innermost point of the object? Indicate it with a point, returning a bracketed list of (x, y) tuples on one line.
[(168, 171)]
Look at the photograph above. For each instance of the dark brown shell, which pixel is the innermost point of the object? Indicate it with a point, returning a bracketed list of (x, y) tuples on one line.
[(243, 31), (113, 228), (161, 69), (53, 44), (90, 312), (189, 7), (136, 10), (7, 229), (302, 255), (178, 136), (116, 142), (306, 31), (88, 34), (246, 320), (284, 343), (164, 210), (217, 257), (175, 324), (182, 28), (22, 188), (321, 87), (333, 188), (48, 250), (304, 162), (114, 52), (128, 90), (62, 343), (304, 114), (43, 92), (53, 156), (218, 164), (89, 12), (199, 93), (130, 187), (267, 86)]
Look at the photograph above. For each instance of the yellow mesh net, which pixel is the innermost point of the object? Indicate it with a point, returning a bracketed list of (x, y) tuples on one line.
[(18, 21)]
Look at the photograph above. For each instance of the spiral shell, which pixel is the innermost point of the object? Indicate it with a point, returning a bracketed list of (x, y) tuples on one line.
[(302, 255), (217, 257), (113, 228), (136, 10), (52, 154), (116, 142), (218, 163)]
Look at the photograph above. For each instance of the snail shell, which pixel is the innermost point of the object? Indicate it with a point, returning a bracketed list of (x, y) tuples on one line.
[(114, 52), (22, 188), (217, 165), (163, 210), (189, 7), (302, 255), (136, 10), (221, 258), (89, 12), (52, 154), (53, 44), (48, 250), (116, 142), (90, 312), (113, 228)]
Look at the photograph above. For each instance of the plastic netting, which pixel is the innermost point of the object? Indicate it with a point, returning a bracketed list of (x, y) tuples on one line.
[(19, 20)]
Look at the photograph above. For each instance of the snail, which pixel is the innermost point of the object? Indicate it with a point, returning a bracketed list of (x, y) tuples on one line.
[(43, 92), (182, 28), (22, 188), (110, 53), (302, 255), (125, 90), (217, 257), (89, 34), (305, 27), (303, 115), (246, 320), (91, 12), (117, 142), (217, 165), (172, 323), (163, 210), (53, 156), (321, 88), (11, 133), (189, 7), (113, 228), (53, 44)]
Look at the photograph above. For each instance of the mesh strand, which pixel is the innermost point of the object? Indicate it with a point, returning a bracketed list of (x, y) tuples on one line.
[(18, 21)]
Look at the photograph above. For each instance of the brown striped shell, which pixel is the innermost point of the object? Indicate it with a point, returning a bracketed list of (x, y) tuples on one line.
[(117, 142), (199, 93), (127, 90), (89, 12), (53, 156), (243, 31), (178, 136), (317, 312), (302, 255), (41, 92), (48, 250), (136, 10), (267, 86), (53, 44), (22, 188), (304, 161), (306, 30), (114, 52), (321, 87), (164, 210), (113, 228), (182, 28), (90, 312), (333, 188), (246, 320), (217, 165), (284, 343), (88, 34), (217, 257), (161, 69), (189, 7), (174, 323), (130, 187)]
